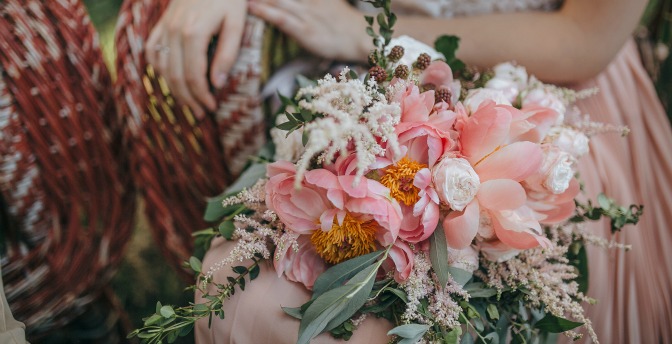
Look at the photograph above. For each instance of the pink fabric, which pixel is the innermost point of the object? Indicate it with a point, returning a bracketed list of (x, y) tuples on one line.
[(634, 288)]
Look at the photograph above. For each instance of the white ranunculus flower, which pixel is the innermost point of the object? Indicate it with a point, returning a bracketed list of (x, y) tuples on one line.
[(510, 79), (465, 259), (557, 170), (456, 182), (477, 96), (569, 140), (287, 148), (412, 49)]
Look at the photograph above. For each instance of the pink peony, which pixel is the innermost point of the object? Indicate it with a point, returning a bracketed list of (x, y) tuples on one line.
[(340, 220), (500, 166), (400, 260)]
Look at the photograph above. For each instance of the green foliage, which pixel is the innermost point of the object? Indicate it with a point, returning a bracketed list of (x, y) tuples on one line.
[(447, 45), (410, 333), (169, 323), (553, 324), (618, 215), (438, 255)]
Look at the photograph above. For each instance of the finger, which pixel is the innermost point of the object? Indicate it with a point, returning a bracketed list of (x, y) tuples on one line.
[(291, 6), (176, 81), (284, 20), (227, 49), (153, 41), (195, 47)]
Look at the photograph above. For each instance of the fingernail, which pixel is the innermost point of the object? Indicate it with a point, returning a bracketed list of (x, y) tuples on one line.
[(220, 80)]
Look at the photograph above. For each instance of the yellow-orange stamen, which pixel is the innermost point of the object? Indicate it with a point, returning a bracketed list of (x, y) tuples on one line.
[(399, 179), (351, 239)]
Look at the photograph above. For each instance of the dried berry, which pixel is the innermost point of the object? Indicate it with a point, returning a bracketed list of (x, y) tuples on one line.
[(378, 73), (443, 94), (423, 61), (396, 53), (401, 71)]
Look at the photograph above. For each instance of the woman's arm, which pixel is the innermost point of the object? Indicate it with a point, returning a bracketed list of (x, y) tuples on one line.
[(571, 44)]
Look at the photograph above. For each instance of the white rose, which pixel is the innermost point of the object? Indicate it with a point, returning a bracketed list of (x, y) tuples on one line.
[(287, 148), (456, 182), (412, 49), (465, 259), (546, 98), (510, 79), (556, 170), (477, 96), (569, 140)]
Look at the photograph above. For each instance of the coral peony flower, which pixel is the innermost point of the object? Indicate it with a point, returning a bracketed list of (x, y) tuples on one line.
[(400, 260), (343, 221), (500, 166)]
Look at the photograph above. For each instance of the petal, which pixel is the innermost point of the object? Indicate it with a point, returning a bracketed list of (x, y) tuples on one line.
[(515, 239), (279, 167), (402, 259), (516, 161), (309, 201), (354, 186), (461, 227), (501, 194), (484, 131), (322, 178)]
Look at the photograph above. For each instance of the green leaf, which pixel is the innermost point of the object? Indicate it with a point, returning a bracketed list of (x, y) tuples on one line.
[(226, 229), (186, 330), (369, 20), (304, 137), (579, 259), (336, 275), (303, 82), (195, 264), (171, 337), (337, 305), (158, 307), (306, 115), (453, 336), (493, 313), (167, 311), (414, 332), (154, 319), (382, 21), (200, 308), (294, 312), (479, 290), (447, 45), (399, 293), (239, 269), (553, 324), (287, 126), (467, 339), (438, 255), (214, 209), (254, 272), (462, 277), (370, 32), (604, 201), (286, 101)]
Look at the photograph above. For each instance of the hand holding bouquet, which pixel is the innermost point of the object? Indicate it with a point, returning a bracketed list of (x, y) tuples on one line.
[(426, 193)]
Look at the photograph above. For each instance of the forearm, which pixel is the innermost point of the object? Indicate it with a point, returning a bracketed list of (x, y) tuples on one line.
[(568, 45)]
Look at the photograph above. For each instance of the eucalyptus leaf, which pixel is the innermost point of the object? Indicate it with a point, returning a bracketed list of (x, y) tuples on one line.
[(462, 277), (167, 311), (453, 336), (467, 339), (186, 330), (493, 313), (336, 275), (226, 229), (294, 312), (287, 126), (438, 255), (479, 290), (303, 82), (195, 264), (410, 331), (399, 293), (337, 305), (553, 324), (214, 209)]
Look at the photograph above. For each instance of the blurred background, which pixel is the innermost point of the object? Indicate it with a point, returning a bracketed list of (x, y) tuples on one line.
[(145, 277)]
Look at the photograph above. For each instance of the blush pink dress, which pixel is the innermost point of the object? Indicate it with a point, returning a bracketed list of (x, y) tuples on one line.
[(634, 288)]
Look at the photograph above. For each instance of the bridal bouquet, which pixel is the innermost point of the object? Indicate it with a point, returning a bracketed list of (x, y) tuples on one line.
[(424, 192)]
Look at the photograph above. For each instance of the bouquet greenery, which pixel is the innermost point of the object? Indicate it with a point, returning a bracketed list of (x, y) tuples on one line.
[(427, 193)]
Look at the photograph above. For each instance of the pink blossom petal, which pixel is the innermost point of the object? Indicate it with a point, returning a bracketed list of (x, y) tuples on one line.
[(423, 178), (541, 119), (501, 194), (484, 131), (280, 167), (353, 189), (560, 213), (327, 219), (402, 260), (309, 201), (519, 220), (521, 240), (461, 227), (516, 161), (322, 178)]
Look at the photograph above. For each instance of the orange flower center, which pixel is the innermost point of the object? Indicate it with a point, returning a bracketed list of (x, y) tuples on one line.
[(351, 239), (399, 179)]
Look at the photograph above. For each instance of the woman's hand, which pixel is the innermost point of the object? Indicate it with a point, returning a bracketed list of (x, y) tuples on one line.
[(178, 47), (328, 28)]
